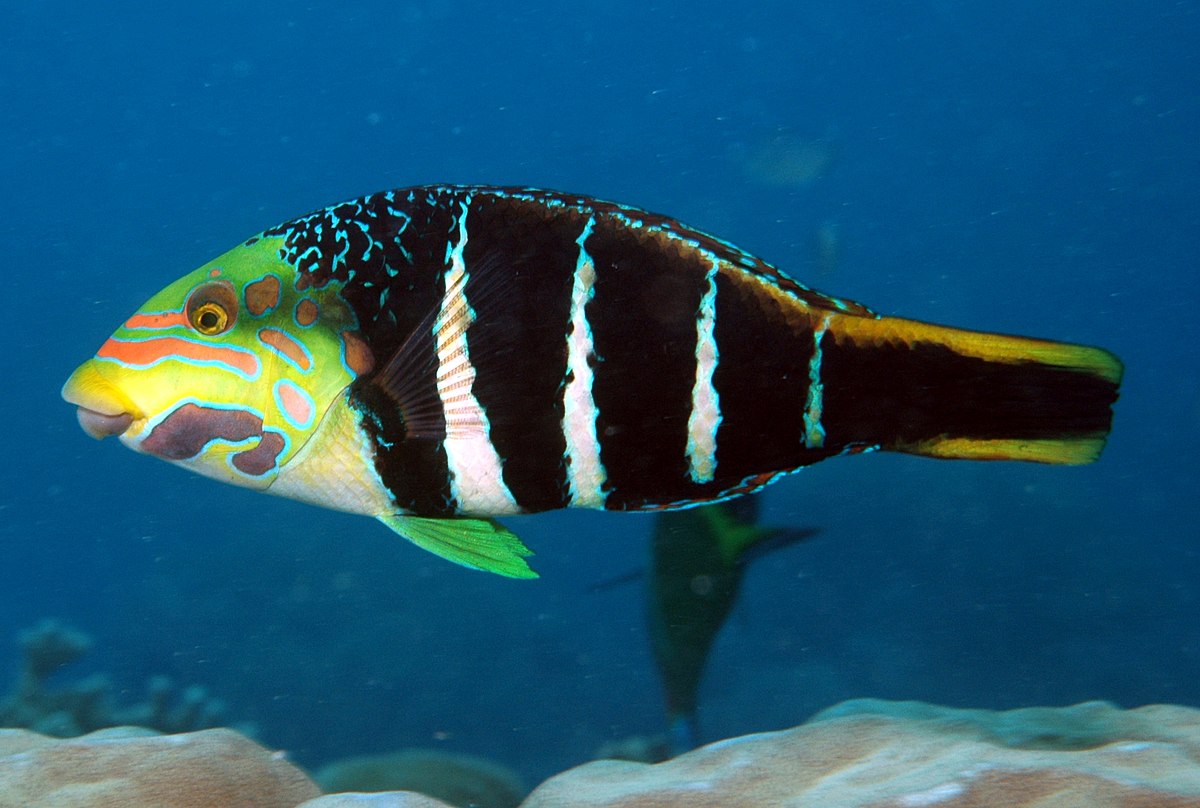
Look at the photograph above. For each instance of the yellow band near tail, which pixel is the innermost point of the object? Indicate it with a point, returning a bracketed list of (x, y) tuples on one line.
[(1071, 452), (980, 344), (968, 394)]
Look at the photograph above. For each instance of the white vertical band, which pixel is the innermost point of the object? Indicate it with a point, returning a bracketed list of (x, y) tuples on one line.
[(585, 472), (814, 432), (476, 479), (705, 417)]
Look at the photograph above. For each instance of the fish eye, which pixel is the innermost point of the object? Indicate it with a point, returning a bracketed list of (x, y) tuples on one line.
[(212, 308), (210, 319)]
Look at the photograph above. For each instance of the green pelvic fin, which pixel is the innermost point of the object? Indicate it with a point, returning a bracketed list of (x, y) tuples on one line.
[(481, 544), (733, 538)]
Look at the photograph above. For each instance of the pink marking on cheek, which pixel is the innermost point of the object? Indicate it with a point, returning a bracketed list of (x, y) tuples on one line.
[(295, 404)]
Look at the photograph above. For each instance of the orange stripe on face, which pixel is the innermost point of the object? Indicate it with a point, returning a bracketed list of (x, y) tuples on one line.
[(162, 319), (286, 346), (144, 353)]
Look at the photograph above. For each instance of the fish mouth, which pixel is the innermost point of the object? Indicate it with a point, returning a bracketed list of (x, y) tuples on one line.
[(99, 426), (103, 410)]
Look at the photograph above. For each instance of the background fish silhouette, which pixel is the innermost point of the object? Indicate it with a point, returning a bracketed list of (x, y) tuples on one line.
[(698, 559)]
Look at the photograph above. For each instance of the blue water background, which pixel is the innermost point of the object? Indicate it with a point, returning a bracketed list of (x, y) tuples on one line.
[(1023, 167)]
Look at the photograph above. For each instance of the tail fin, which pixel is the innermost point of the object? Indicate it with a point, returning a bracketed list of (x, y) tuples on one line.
[(943, 392)]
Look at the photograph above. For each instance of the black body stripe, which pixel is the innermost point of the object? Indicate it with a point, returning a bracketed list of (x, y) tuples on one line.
[(643, 319), (762, 381), (414, 470), (411, 267), (521, 259)]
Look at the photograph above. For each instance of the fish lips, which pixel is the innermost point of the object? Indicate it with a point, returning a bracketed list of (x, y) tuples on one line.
[(103, 410), (98, 425)]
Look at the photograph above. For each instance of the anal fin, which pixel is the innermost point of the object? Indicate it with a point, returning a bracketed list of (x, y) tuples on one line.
[(481, 544)]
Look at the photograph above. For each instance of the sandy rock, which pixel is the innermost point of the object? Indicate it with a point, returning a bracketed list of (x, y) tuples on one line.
[(881, 755), (456, 778), (1079, 726), (128, 769), (392, 799)]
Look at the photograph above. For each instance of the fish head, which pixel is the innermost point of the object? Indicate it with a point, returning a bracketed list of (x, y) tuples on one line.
[(228, 370)]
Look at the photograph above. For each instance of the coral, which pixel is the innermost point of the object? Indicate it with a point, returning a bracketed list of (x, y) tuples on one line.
[(87, 705), (639, 748), (454, 778), (392, 799), (1080, 726), (130, 769), (861, 754), (885, 755)]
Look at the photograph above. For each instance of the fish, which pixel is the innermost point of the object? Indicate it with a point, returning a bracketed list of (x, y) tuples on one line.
[(440, 356), (698, 559)]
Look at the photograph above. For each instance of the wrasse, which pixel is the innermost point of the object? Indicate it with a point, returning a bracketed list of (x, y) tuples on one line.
[(698, 558), (439, 356)]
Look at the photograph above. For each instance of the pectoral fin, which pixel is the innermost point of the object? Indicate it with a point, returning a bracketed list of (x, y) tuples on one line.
[(481, 544), (740, 543)]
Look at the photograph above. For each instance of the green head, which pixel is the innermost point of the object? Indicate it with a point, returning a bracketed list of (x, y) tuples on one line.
[(228, 371)]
